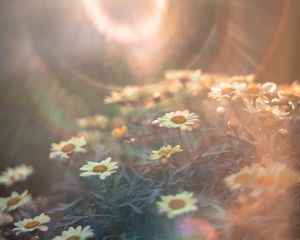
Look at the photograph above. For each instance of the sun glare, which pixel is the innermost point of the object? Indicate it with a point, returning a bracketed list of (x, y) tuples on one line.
[(125, 32)]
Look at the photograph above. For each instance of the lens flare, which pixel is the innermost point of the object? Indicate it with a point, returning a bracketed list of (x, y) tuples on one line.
[(124, 31), (196, 227)]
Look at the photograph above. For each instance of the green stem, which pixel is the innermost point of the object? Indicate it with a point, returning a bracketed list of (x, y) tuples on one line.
[(181, 138), (166, 179)]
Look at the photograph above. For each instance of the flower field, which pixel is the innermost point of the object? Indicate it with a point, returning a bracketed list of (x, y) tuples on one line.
[(195, 156)]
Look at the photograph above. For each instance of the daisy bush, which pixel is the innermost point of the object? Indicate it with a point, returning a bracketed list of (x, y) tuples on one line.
[(193, 156)]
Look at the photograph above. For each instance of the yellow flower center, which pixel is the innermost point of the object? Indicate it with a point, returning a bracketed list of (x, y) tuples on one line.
[(226, 91), (243, 179), (265, 180), (177, 204), (13, 201), (68, 147), (179, 119), (253, 90), (119, 132), (74, 238), (100, 169), (32, 224)]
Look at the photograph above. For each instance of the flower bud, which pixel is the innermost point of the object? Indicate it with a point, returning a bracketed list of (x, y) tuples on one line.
[(233, 123)]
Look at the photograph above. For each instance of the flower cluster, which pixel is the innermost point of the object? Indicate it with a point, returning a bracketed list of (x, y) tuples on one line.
[(17, 174), (151, 169), (263, 100), (261, 178)]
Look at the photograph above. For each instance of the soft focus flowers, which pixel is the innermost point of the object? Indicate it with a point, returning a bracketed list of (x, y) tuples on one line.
[(274, 177), (179, 119), (173, 205), (224, 90), (98, 121), (193, 228), (261, 178), (119, 132), (262, 109), (248, 143), (165, 152), (129, 93), (78, 233), (14, 201), (17, 174), (101, 169), (65, 148), (31, 224), (241, 179)]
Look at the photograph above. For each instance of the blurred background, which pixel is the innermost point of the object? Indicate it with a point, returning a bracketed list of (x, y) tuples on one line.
[(59, 58)]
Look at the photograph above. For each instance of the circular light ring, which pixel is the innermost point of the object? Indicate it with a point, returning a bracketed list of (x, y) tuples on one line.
[(121, 32)]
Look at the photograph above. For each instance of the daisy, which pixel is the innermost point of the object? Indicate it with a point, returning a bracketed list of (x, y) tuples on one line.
[(115, 97), (226, 90), (179, 119), (65, 148), (257, 89), (119, 132), (77, 233), (31, 224), (276, 175), (263, 109), (293, 97), (262, 178), (129, 93), (165, 152), (14, 201), (173, 205), (101, 169), (17, 174), (98, 121), (242, 179)]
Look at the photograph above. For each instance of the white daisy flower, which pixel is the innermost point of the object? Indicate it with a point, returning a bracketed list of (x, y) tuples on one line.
[(65, 148), (179, 119), (14, 201), (259, 90), (31, 224), (173, 205), (102, 169), (17, 174), (242, 179), (165, 152), (77, 233), (225, 90)]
